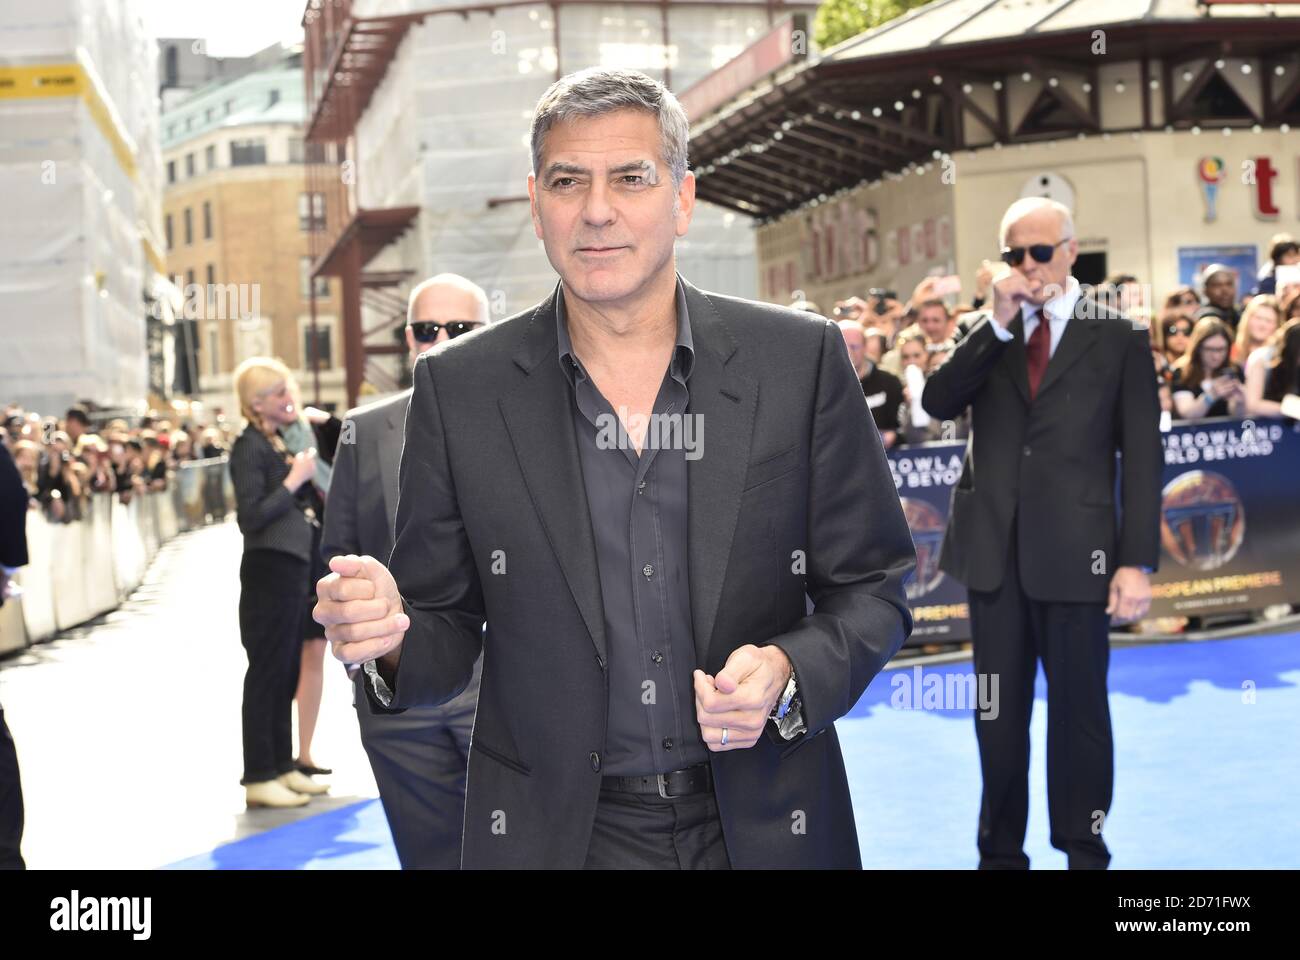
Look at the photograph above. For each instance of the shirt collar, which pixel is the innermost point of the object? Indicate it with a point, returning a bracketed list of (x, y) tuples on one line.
[(1058, 308), (683, 361)]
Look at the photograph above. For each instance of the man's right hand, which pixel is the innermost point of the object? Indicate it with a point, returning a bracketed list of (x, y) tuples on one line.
[(1010, 290), (361, 611)]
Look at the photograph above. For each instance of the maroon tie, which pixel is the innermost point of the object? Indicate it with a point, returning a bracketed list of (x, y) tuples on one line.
[(1037, 353)]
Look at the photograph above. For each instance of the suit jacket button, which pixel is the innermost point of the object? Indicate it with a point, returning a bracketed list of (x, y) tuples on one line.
[(1027, 450), (595, 761)]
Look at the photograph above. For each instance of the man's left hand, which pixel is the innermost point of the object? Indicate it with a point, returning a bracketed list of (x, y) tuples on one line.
[(1130, 595), (741, 696)]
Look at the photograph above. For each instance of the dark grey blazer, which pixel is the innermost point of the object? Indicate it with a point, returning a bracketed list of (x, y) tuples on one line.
[(269, 516), (792, 494), (1051, 463), (362, 500)]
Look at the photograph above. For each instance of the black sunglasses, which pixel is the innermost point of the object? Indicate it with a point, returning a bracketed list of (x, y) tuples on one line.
[(426, 331), (1176, 328), (1042, 252)]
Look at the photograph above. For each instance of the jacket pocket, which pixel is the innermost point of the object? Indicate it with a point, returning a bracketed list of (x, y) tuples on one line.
[(772, 468), (798, 742), (477, 745)]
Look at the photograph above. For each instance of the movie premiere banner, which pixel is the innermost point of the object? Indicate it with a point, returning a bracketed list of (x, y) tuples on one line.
[(1229, 519), (925, 475), (1229, 523)]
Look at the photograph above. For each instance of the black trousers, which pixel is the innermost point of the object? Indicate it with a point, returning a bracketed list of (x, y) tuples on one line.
[(639, 832), (11, 801), (419, 758), (1012, 632), (271, 584)]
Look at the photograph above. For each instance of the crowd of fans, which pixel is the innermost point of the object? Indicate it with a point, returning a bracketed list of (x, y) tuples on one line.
[(63, 461), (1215, 351)]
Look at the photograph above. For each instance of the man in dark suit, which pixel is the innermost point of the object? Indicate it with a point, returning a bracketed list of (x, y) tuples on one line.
[(1033, 531), (654, 692), (418, 756), (13, 554)]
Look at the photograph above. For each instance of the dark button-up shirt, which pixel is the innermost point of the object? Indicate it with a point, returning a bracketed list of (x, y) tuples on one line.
[(638, 519)]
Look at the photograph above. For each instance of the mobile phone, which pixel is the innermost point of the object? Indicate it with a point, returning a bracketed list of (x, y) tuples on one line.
[(945, 286), (1286, 275)]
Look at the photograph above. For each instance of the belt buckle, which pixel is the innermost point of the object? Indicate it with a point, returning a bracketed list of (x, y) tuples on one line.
[(663, 784), (661, 778)]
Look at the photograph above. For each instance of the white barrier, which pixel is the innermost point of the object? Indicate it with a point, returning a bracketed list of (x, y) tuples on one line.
[(79, 570)]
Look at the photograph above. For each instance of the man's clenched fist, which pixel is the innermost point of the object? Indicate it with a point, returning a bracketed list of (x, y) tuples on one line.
[(361, 611)]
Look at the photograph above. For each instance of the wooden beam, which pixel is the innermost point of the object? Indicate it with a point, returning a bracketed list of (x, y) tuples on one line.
[(864, 139), (961, 99)]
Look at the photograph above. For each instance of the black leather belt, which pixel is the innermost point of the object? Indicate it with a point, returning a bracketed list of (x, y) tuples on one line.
[(678, 783)]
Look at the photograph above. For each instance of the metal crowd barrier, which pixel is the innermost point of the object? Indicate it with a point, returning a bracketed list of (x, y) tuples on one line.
[(80, 570)]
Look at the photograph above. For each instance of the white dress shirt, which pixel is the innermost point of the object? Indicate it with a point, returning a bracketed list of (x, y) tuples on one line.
[(1059, 310)]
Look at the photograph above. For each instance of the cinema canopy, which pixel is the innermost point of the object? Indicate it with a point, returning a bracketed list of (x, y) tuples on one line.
[(1168, 127)]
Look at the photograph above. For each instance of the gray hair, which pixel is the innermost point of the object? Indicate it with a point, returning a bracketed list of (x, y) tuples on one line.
[(597, 91), (1027, 205), (451, 280)]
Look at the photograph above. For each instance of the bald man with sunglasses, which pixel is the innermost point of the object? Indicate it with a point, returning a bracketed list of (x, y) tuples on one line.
[(419, 757), (1057, 385)]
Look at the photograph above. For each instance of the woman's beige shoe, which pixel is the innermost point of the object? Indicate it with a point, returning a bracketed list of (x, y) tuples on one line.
[(299, 783), (272, 793)]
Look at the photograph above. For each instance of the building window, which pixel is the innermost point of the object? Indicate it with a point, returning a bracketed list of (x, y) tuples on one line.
[(189, 122), (167, 229), (171, 171), (171, 130), (207, 115), (213, 366), (207, 219), (295, 150), (189, 226), (305, 281), (322, 343), (244, 153), (311, 211), (189, 164), (229, 105), (273, 99), (315, 152), (189, 280), (171, 67)]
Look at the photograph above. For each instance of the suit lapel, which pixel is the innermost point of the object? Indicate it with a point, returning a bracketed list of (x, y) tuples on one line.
[(724, 400), (390, 454), (1079, 336), (1013, 357), (539, 418)]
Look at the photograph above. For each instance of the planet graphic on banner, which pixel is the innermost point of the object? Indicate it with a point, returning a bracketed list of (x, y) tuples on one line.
[(1202, 521), (926, 524)]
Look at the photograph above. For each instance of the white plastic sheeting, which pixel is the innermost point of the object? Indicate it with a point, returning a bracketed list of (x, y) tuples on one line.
[(81, 187), (447, 131)]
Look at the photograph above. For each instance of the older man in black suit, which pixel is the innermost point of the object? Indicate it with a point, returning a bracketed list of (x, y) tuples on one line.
[(1057, 385), (636, 484), (419, 756)]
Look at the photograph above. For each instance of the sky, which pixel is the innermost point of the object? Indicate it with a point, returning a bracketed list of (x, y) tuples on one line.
[(231, 28)]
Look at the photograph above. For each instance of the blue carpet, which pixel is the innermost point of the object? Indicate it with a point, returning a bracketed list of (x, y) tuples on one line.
[(1207, 772), (355, 837)]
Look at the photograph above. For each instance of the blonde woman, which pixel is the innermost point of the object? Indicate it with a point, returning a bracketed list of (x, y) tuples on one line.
[(1259, 321), (277, 528)]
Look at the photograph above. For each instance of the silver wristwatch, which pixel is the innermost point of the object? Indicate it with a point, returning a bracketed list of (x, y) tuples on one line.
[(787, 712)]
